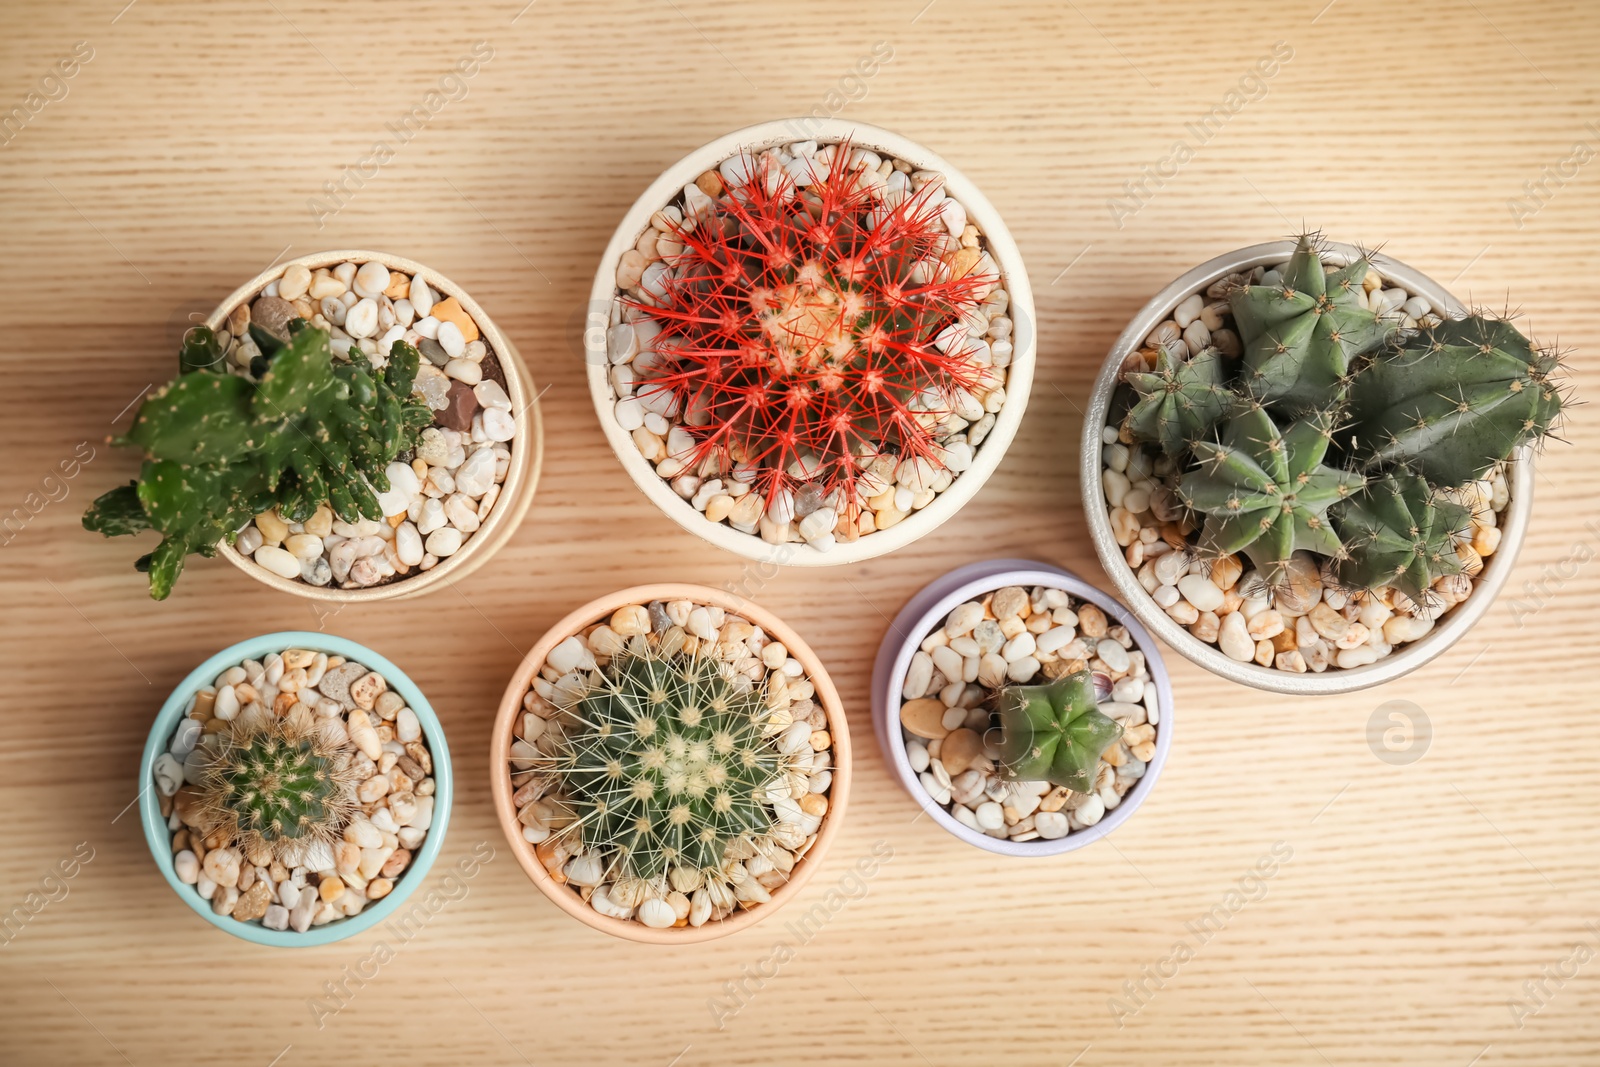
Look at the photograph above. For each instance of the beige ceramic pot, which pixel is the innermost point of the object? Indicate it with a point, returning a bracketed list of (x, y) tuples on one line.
[(527, 450), (753, 140), (511, 709), (1451, 626)]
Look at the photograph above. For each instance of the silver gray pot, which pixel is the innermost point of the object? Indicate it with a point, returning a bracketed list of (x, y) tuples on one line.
[(1513, 521)]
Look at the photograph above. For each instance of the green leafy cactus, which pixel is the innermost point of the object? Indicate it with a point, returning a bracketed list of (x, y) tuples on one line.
[(220, 448), (1400, 531), (1180, 401), (1054, 732), (670, 764), (1265, 492), (1454, 399), (1302, 334), (275, 784)]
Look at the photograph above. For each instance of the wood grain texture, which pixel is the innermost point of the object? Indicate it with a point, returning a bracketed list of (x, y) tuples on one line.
[(1419, 899)]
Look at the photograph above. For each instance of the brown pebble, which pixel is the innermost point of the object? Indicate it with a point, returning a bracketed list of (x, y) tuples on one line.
[(204, 701), (710, 183), (459, 407), (1091, 621), (186, 802), (331, 889), (419, 752), (924, 717), (272, 314), (253, 902), (960, 749), (398, 861)]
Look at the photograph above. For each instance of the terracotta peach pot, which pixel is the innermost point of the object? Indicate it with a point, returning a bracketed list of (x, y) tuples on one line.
[(505, 728)]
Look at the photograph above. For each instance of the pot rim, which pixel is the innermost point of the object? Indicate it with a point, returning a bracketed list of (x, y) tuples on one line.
[(522, 477), (1497, 568), (986, 458), (931, 604), (159, 838), (504, 729)]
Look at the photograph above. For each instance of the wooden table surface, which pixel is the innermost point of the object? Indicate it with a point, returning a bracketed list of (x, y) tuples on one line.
[(1433, 910)]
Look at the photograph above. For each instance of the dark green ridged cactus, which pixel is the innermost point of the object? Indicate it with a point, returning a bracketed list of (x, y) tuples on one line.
[(1054, 733), (1180, 401), (667, 765), (270, 784), (1265, 492), (1454, 400), (1399, 531), (1301, 335), (220, 448)]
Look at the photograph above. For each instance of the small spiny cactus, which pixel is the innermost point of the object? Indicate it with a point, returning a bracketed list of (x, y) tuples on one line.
[(1454, 399), (1400, 531), (1302, 334), (275, 784), (1265, 492), (806, 330), (1180, 401), (667, 763), (220, 448), (1054, 732)]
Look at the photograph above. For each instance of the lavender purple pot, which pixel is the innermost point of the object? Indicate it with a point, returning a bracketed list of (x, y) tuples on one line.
[(925, 611)]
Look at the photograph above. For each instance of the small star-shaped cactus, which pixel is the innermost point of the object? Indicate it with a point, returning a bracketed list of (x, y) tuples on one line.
[(1180, 401), (1400, 531), (1301, 335), (1054, 733), (1265, 492)]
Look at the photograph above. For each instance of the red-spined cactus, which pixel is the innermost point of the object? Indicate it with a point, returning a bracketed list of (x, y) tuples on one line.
[(812, 324)]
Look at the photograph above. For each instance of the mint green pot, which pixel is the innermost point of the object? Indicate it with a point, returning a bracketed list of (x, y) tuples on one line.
[(160, 838)]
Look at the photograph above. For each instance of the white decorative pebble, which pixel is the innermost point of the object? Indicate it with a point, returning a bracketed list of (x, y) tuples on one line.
[(1198, 590), (445, 541), (279, 561), (452, 340), (463, 370)]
